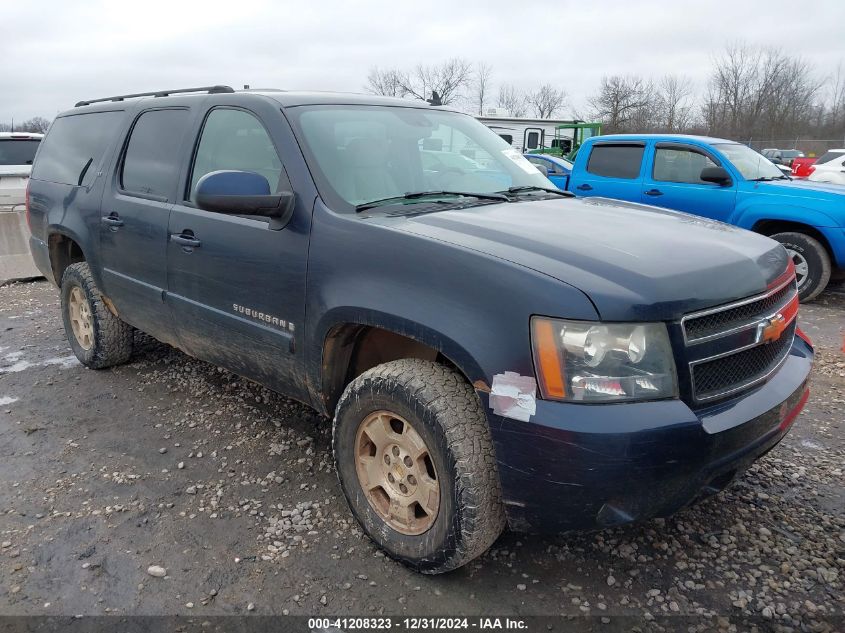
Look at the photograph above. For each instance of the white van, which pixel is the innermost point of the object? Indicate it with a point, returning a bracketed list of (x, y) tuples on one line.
[(17, 150)]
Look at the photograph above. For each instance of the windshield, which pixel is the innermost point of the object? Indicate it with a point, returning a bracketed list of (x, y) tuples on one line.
[(750, 164), (830, 156), (18, 151), (359, 154)]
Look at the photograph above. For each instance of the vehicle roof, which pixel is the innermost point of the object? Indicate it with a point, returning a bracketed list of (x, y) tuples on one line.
[(662, 137), (285, 98), (21, 135)]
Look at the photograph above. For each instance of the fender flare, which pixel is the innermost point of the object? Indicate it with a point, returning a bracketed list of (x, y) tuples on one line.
[(748, 216), (363, 317)]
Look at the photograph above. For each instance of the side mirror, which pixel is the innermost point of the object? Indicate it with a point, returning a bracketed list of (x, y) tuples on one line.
[(244, 193), (717, 175), (542, 169)]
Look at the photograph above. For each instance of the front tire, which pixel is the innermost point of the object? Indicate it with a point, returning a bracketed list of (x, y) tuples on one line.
[(415, 461), (97, 337), (812, 263)]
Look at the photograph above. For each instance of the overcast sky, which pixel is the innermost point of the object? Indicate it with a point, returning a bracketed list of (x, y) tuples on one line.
[(54, 53)]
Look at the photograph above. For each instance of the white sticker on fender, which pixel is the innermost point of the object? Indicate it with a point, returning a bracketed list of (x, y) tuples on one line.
[(514, 396)]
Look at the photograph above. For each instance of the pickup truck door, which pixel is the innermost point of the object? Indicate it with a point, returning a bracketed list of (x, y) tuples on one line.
[(236, 286), (133, 220), (672, 182), (611, 169), (556, 173)]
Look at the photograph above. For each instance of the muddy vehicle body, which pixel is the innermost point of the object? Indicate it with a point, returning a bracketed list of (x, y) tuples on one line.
[(492, 351)]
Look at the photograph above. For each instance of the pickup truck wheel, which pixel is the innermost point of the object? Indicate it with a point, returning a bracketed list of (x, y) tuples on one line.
[(812, 263), (97, 337), (416, 463)]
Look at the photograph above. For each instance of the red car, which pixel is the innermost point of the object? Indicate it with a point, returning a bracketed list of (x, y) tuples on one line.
[(802, 167)]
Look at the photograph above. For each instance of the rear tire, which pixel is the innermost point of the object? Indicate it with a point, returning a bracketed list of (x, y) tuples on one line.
[(97, 337), (439, 410), (812, 263)]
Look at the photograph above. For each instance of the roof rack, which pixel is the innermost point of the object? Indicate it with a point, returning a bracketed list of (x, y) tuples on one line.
[(160, 93)]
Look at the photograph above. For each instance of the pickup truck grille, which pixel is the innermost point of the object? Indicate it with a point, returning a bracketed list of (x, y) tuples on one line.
[(733, 347)]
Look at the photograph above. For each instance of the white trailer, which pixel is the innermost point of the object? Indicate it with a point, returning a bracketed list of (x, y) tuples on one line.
[(526, 134)]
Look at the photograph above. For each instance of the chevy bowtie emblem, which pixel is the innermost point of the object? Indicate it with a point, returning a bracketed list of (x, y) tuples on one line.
[(770, 329)]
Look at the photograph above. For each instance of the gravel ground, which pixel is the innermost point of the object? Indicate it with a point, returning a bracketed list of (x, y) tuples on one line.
[(168, 486)]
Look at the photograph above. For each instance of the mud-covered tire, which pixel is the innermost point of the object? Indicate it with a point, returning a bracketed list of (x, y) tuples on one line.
[(445, 411), (111, 338), (817, 259)]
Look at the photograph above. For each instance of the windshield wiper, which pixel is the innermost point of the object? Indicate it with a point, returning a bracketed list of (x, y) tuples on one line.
[(567, 194), (83, 172), (418, 195), (770, 178)]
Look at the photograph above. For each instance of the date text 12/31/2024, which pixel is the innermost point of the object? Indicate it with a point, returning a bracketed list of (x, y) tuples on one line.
[(414, 624)]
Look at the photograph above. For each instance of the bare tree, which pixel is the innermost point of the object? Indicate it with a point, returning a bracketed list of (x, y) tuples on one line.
[(36, 124), (512, 99), (546, 101), (623, 103), (760, 93), (483, 75), (384, 82), (674, 103), (448, 80), (834, 113)]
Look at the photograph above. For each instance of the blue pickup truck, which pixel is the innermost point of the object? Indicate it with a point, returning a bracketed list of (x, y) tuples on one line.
[(725, 181), (491, 349)]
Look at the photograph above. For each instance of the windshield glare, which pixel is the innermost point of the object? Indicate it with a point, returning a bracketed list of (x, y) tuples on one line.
[(749, 163), (18, 151), (360, 154)]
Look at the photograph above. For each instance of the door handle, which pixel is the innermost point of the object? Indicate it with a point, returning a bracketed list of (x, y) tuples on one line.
[(584, 187), (654, 192), (112, 219), (188, 241)]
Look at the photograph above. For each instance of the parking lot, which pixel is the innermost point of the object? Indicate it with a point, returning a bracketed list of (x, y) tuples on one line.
[(168, 461)]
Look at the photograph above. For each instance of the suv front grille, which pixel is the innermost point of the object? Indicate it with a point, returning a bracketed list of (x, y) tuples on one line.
[(715, 322), (726, 346), (721, 376)]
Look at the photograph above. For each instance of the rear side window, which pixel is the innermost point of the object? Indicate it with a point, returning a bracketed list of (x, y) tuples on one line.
[(74, 147), (14, 151), (616, 161), (151, 163)]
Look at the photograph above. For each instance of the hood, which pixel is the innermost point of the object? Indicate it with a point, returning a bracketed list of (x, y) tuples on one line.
[(808, 189), (635, 262)]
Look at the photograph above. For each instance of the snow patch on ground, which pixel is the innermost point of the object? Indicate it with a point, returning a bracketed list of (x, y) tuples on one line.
[(18, 363), (63, 361), (7, 400)]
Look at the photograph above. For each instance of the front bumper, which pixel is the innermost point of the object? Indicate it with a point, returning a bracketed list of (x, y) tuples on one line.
[(581, 467)]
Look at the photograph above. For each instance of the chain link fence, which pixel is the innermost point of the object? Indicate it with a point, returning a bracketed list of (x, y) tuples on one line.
[(812, 147)]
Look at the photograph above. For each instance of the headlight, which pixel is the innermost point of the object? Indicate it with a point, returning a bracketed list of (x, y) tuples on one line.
[(586, 361)]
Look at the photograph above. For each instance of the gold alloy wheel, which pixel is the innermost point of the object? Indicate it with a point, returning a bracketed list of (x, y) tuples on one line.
[(397, 473), (80, 318)]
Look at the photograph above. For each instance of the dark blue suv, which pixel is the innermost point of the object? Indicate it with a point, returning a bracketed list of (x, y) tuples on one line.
[(491, 349)]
